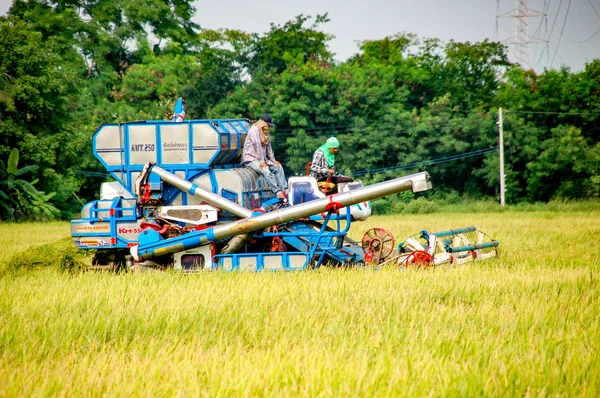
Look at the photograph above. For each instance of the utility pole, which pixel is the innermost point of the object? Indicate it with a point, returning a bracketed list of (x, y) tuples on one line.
[(501, 154)]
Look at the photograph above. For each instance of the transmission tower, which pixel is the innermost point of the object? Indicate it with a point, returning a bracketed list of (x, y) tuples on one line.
[(521, 40)]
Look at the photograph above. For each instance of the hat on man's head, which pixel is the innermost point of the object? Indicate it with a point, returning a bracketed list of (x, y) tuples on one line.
[(267, 118), (333, 142)]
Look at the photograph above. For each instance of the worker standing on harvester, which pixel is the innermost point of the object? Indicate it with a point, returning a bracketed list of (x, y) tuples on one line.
[(258, 155)]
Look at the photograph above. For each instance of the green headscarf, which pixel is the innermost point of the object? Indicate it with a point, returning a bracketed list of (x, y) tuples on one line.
[(332, 142)]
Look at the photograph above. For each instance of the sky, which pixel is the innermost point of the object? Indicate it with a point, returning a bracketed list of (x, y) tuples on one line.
[(568, 34)]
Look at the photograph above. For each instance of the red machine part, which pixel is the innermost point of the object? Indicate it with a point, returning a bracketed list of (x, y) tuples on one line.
[(277, 244), (144, 196), (378, 244), (418, 259), (160, 229), (333, 206)]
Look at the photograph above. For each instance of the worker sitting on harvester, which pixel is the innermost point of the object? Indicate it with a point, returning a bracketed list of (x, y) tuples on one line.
[(323, 165), (258, 155)]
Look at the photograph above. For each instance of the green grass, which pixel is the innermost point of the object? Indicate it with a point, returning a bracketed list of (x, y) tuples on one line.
[(524, 324)]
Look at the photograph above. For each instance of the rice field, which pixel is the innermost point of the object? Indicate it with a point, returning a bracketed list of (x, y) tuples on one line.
[(527, 323)]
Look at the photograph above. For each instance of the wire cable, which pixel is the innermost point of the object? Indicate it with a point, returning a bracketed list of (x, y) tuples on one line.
[(431, 162), (561, 33), (551, 31), (544, 20), (594, 7), (583, 41), (553, 113), (307, 129)]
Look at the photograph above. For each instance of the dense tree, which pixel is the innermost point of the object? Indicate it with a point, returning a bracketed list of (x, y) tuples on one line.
[(34, 109), (293, 78), (111, 35), (567, 167), (556, 97), (401, 104), (471, 72), (218, 70), (271, 53)]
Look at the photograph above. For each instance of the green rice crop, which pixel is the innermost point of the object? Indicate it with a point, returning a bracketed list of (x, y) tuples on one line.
[(525, 323), (15, 238)]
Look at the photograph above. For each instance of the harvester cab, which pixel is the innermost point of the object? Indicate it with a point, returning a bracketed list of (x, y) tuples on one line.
[(181, 199)]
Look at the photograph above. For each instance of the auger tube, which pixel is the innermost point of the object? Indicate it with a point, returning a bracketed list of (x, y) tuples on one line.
[(201, 193)]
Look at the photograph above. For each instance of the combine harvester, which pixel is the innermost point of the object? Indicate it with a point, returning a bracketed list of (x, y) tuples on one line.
[(182, 200)]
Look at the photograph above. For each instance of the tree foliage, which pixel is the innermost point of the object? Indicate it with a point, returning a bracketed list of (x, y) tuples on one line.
[(34, 106), (19, 199), (399, 105)]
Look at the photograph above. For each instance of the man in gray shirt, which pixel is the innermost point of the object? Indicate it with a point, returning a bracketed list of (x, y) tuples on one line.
[(258, 155)]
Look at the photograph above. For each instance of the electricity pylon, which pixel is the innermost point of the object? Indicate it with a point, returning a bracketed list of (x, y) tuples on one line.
[(521, 40)]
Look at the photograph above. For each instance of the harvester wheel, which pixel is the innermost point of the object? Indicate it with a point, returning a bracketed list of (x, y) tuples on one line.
[(108, 261), (378, 241)]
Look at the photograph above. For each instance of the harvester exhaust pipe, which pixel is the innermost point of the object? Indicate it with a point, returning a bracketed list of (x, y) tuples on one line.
[(417, 182)]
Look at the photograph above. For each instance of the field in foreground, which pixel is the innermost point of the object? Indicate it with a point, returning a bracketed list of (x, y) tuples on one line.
[(525, 324)]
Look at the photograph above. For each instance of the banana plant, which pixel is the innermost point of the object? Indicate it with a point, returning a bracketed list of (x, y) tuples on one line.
[(18, 197)]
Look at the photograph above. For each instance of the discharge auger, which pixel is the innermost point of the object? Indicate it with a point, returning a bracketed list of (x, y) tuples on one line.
[(181, 199)]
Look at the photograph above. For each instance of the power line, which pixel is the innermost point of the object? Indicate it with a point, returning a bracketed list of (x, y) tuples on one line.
[(561, 33), (545, 19), (277, 135), (349, 129), (284, 133), (431, 162), (551, 31), (554, 113), (583, 41), (594, 7), (545, 41), (307, 129)]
